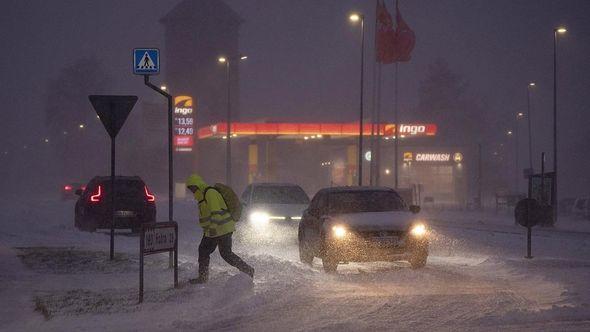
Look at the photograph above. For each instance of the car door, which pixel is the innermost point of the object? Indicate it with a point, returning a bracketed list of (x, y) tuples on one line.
[(315, 224)]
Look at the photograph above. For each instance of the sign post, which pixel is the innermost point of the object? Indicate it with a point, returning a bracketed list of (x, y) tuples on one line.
[(158, 238), (528, 213), (146, 62), (112, 111)]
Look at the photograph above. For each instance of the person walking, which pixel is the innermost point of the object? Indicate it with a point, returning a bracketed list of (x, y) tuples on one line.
[(218, 227)]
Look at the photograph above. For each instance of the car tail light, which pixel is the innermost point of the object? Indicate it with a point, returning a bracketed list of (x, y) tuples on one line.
[(96, 196), (67, 187), (150, 197)]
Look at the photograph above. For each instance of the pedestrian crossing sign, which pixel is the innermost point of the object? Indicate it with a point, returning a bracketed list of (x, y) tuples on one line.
[(146, 61)]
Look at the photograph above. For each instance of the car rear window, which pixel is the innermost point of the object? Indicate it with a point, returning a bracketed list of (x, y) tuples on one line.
[(279, 195), (125, 187), (364, 201)]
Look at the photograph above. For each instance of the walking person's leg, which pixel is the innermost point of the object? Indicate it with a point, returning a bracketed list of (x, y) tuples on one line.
[(206, 248), (225, 243)]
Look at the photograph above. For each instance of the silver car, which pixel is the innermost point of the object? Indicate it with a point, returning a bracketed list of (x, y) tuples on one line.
[(272, 211)]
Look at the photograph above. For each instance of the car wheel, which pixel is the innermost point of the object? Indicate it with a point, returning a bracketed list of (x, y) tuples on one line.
[(418, 258), (305, 252), (330, 263)]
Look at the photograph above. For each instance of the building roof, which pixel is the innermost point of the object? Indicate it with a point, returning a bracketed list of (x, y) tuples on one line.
[(313, 130), (201, 9)]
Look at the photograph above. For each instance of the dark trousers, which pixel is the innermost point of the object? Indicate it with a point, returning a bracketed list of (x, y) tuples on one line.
[(224, 242)]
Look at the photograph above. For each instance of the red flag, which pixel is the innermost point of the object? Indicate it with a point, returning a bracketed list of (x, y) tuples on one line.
[(384, 35), (404, 39)]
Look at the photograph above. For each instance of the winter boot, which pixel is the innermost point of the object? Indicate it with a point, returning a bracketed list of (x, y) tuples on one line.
[(203, 275), (250, 271)]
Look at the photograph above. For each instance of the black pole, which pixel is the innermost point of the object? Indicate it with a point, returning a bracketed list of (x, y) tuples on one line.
[(228, 170), (141, 245), (360, 156), (175, 255), (378, 145), (554, 187), (516, 155), (543, 198), (170, 152), (479, 177), (112, 247), (529, 231), (396, 132), (528, 115)]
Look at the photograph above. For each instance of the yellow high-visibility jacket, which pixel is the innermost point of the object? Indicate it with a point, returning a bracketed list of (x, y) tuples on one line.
[(214, 216)]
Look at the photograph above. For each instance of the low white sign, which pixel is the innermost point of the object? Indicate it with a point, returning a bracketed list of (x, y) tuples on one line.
[(158, 239)]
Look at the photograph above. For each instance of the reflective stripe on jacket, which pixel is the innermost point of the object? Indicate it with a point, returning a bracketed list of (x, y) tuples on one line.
[(214, 215)]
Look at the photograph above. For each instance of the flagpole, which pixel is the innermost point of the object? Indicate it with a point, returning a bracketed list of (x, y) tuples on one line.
[(373, 109), (396, 132), (378, 140)]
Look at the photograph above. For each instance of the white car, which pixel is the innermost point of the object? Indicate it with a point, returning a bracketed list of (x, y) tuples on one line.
[(272, 211), (362, 224)]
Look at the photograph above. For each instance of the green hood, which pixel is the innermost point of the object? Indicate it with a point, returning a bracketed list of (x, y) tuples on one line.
[(195, 180)]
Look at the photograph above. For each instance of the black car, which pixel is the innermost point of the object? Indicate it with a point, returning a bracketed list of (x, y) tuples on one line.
[(134, 204), (361, 224)]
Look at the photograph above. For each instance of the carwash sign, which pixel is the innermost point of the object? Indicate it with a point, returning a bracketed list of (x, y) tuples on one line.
[(433, 157)]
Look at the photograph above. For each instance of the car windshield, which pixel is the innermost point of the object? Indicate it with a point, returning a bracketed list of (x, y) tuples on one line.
[(364, 201), (279, 195)]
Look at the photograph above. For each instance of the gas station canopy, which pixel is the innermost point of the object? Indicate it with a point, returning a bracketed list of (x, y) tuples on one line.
[(307, 130)]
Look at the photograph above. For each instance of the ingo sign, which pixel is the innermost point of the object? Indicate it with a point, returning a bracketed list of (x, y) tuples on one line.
[(184, 123)]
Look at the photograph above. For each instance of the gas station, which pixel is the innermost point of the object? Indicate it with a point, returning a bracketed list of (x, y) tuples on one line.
[(317, 155)]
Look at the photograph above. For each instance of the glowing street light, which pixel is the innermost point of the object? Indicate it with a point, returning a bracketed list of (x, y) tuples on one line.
[(81, 126), (532, 84), (509, 132), (226, 62), (355, 18), (163, 88), (556, 31)]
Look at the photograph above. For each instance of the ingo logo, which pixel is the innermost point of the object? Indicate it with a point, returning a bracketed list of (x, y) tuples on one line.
[(183, 105), (412, 129)]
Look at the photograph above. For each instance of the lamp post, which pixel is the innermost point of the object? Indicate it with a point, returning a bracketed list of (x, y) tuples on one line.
[(556, 31), (226, 61), (519, 116), (354, 18), (530, 86)]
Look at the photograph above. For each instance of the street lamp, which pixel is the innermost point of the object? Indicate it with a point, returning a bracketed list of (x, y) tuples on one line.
[(355, 18), (556, 31), (226, 62)]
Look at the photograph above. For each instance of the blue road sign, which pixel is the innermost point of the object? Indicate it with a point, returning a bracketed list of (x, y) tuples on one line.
[(146, 61)]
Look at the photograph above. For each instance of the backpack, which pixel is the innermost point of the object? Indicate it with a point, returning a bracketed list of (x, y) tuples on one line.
[(231, 200)]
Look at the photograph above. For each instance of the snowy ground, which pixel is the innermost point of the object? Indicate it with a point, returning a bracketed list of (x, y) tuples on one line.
[(55, 278)]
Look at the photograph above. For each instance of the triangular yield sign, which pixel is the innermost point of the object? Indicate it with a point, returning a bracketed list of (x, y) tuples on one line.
[(113, 111)]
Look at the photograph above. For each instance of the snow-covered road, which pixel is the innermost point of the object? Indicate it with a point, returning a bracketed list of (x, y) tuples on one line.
[(475, 279)]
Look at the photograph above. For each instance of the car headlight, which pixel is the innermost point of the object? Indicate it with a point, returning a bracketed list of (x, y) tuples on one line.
[(259, 218), (418, 230), (339, 231)]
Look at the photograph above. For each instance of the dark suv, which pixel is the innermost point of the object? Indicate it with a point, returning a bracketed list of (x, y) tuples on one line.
[(134, 204), (361, 224)]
